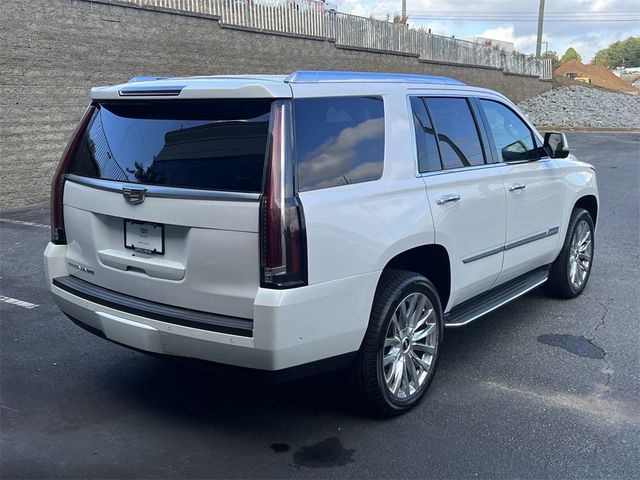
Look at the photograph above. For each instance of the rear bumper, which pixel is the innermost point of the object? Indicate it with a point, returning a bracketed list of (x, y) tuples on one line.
[(290, 328)]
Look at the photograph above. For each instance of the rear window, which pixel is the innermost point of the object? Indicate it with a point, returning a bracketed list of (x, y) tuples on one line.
[(457, 132), (215, 145), (428, 154), (338, 141)]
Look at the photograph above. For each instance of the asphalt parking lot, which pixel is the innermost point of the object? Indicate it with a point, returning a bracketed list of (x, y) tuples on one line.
[(540, 388)]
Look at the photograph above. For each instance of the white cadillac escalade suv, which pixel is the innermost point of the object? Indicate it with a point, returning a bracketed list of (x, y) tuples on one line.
[(321, 220)]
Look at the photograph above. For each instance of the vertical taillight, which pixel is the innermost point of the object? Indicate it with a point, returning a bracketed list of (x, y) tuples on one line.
[(57, 186), (283, 239)]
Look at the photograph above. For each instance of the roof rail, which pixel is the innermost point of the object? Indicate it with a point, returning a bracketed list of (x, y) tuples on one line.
[(144, 78), (319, 76)]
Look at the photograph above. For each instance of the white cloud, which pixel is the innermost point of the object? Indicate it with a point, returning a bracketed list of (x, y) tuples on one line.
[(525, 43), (330, 159)]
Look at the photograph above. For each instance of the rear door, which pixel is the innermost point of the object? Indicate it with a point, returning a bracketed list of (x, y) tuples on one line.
[(533, 187), (465, 192), (161, 201)]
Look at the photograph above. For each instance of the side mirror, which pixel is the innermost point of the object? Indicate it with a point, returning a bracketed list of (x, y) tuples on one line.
[(556, 144)]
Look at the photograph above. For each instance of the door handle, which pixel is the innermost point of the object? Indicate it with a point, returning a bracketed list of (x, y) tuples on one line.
[(516, 186), (451, 197)]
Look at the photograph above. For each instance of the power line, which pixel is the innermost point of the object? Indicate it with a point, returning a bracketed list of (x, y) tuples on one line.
[(505, 19), (472, 14), (511, 13), (594, 17)]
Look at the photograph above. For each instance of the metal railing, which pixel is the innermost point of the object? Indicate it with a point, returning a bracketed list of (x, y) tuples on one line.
[(316, 19)]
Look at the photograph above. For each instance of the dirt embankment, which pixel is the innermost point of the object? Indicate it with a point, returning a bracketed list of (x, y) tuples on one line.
[(600, 76)]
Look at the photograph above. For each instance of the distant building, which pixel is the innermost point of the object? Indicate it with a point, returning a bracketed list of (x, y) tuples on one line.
[(619, 71), (492, 42)]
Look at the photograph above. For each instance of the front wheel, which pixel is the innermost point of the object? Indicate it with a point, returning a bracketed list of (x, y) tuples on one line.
[(570, 271), (399, 354)]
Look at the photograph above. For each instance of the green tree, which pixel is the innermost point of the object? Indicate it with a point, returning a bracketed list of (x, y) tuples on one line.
[(570, 54), (623, 53), (555, 59)]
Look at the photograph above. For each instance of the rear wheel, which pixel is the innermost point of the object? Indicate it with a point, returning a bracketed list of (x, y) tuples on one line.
[(399, 354), (570, 271)]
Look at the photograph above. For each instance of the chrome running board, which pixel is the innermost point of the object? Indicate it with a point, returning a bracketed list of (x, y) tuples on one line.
[(495, 298)]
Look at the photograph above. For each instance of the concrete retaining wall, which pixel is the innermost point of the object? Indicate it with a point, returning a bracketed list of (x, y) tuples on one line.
[(53, 51)]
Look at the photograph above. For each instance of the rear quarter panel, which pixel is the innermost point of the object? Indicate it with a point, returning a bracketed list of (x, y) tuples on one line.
[(356, 229)]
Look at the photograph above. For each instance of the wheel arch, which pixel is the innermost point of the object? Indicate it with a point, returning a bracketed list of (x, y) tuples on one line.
[(590, 204), (432, 261)]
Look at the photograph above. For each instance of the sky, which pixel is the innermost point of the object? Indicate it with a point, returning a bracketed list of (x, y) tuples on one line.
[(586, 25)]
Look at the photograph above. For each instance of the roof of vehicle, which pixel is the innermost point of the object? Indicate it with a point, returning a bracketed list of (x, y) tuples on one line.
[(320, 76), (263, 86)]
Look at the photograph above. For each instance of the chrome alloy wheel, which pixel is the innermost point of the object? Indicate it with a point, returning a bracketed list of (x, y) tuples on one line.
[(410, 346), (580, 254)]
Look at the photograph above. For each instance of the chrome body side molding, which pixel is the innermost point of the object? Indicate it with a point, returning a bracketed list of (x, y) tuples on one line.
[(517, 243), (484, 254), (538, 236)]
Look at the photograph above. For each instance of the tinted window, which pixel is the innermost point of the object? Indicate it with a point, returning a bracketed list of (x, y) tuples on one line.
[(338, 141), (457, 133), (512, 137), (218, 145), (428, 155)]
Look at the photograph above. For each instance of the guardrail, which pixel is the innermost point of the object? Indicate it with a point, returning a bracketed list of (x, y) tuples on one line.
[(318, 19)]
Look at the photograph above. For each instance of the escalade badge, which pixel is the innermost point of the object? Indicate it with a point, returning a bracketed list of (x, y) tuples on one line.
[(134, 195), (82, 268)]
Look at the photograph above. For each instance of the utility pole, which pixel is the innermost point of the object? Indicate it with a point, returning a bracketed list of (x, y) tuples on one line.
[(540, 21), (404, 11)]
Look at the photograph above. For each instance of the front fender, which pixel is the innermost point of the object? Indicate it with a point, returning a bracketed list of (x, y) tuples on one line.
[(579, 180)]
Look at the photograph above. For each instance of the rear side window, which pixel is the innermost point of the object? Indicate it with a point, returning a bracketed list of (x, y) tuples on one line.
[(428, 155), (216, 145), (458, 137), (513, 139), (338, 141)]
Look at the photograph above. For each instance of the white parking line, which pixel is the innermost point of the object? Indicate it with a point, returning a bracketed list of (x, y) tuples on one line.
[(21, 222), (19, 303)]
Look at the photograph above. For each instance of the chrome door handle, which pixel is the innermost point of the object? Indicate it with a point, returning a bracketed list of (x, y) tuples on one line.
[(452, 197), (516, 186)]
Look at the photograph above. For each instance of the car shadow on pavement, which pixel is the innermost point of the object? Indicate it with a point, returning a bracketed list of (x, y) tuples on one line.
[(192, 391)]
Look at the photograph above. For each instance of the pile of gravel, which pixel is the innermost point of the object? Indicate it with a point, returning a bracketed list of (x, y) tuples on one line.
[(583, 107)]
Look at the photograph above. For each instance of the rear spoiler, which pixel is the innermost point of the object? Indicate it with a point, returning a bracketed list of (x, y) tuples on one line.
[(193, 88)]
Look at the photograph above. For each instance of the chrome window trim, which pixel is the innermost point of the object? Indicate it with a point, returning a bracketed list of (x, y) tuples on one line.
[(414, 144), (480, 95), (478, 167), (521, 162), (511, 245), (461, 169), (161, 191)]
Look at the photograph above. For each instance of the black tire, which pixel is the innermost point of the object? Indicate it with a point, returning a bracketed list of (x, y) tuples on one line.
[(367, 372), (559, 284)]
